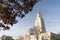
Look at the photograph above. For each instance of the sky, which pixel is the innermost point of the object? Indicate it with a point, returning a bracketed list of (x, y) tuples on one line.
[(50, 10)]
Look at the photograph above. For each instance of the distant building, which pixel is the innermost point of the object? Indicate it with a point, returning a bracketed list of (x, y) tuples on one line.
[(4, 37), (38, 32)]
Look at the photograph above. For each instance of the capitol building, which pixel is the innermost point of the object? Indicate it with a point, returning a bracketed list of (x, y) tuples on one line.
[(38, 32)]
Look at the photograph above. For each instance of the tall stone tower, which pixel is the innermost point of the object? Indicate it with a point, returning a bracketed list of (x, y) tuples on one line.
[(39, 24)]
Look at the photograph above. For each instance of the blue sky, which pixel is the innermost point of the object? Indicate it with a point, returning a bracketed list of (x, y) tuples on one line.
[(50, 10)]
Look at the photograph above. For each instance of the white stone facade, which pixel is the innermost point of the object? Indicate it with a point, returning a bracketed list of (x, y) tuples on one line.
[(38, 32)]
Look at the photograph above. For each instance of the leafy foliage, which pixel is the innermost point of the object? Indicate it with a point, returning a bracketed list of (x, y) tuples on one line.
[(10, 9), (4, 37), (58, 36)]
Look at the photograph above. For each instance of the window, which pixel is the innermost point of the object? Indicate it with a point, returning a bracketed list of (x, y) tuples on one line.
[(46, 39)]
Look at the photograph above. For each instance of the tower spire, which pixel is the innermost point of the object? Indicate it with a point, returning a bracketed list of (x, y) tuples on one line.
[(39, 23)]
